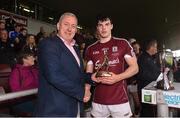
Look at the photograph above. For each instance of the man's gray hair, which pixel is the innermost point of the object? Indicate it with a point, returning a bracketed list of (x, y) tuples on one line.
[(67, 14)]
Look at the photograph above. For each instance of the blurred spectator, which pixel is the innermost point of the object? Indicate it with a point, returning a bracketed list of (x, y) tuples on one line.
[(2, 24), (40, 35), (21, 40), (30, 45), (6, 49), (132, 40), (136, 48), (79, 37), (149, 71), (53, 33), (24, 75), (45, 35), (177, 72), (13, 35), (89, 39), (10, 23)]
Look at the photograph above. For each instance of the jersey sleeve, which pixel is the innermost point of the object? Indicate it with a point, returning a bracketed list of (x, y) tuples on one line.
[(88, 55), (128, 50)]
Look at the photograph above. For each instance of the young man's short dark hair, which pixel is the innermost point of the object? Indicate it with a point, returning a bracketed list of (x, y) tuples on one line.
[(102, 17)]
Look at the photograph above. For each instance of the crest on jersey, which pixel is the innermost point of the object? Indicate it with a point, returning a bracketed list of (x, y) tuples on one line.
[(105, 50), (114, 49)]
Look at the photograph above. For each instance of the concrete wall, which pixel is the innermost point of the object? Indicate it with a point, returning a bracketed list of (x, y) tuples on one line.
[(33, 26)]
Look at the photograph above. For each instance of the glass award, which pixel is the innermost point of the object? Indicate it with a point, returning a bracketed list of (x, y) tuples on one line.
[(166, 61)]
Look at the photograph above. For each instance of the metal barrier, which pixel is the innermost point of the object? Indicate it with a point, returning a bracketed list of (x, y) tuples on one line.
[(18, 94)]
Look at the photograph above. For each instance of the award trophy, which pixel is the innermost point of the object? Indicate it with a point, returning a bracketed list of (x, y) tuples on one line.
[(102, 71), (165, 81)]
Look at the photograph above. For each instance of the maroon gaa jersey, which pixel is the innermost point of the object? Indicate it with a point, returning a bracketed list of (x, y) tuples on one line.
[(117, 50)]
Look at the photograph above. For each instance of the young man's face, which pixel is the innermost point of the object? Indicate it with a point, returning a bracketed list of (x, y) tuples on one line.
[(104, 28), (67, 27)]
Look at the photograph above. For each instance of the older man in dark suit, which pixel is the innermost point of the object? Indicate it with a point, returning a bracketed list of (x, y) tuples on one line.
[(62, 80)]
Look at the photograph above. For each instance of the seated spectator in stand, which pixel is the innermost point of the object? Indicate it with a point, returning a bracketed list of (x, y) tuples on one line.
[(30, 45), (40, 35), (13, 35), (10, 23), (2, 24), (7, 55), (21, 40), (24, 75)]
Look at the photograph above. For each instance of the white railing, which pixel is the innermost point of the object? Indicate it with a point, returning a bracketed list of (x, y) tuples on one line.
[(18, 94)]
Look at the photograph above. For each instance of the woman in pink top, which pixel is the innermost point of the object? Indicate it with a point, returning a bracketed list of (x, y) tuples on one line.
[(24, 75)]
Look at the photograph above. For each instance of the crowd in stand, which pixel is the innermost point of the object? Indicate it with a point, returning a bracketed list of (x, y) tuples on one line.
[(14, 38), (19, 50)]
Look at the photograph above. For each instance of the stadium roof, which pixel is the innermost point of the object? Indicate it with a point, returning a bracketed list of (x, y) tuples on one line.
[(131, 18)]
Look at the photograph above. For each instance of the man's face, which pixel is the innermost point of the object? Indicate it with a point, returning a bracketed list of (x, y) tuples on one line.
[(154, 49), (4, 35), (17, 28), (67, 27), (136, 48), (2, 25), (104, 28), (24, 32)]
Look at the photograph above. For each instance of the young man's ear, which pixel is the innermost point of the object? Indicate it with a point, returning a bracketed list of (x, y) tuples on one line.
[(111, 26)]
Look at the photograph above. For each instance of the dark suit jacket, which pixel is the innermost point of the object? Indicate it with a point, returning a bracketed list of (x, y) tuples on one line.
[(61, 80)]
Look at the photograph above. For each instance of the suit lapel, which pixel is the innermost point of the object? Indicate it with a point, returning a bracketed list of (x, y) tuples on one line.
[(79, 55), (68, 52)]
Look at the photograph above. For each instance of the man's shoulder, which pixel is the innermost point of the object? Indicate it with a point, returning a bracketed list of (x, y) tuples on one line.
[(120, 39), (121, 42), (49, 42)]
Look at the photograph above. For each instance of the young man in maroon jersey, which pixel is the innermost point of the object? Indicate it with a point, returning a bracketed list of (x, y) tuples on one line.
[(110, 95)]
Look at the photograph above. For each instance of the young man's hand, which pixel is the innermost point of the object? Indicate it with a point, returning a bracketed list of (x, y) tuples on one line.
[(110, 80), (95, 79)]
